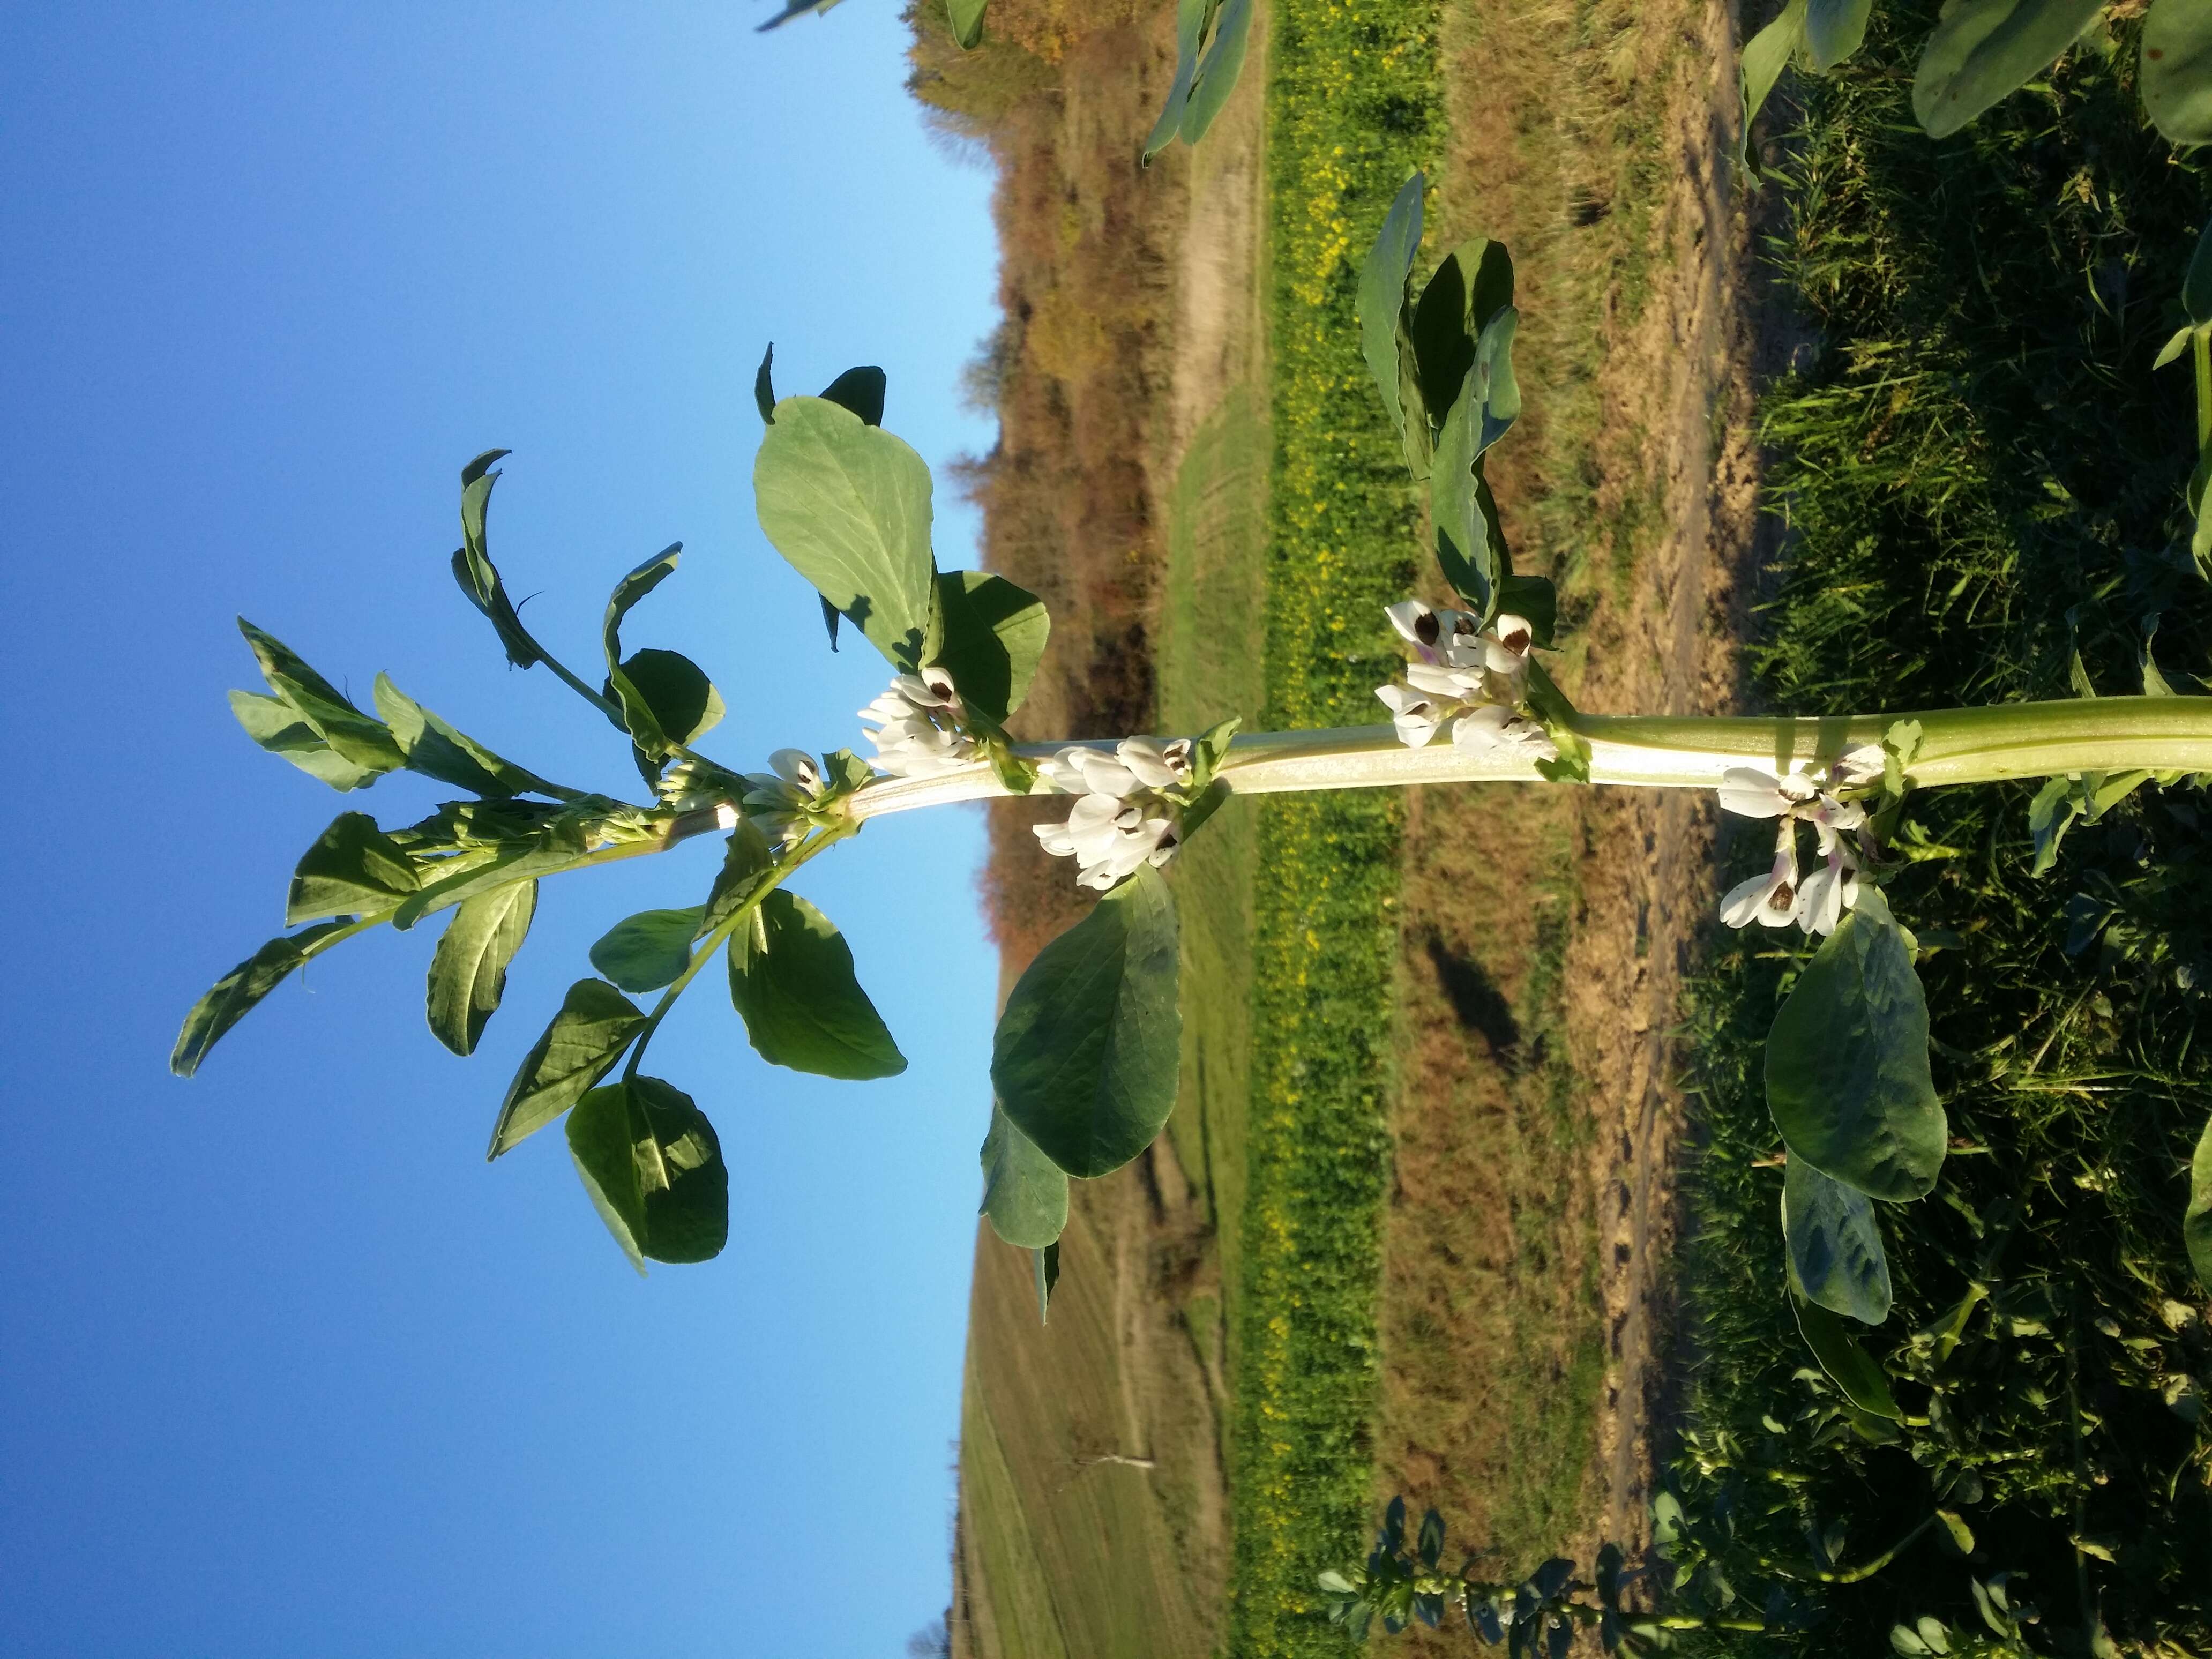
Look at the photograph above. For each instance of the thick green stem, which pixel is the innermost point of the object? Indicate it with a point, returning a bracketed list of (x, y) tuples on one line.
[(2200, 350), (1957, 746)]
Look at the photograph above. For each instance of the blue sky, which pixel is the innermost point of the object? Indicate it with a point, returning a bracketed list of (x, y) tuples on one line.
[(285, 1368)]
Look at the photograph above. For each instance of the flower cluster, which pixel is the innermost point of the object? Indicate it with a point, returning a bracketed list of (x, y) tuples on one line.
[(1476, 679), (918, 731), (1123, 817), (1816, 901), (784, 802)]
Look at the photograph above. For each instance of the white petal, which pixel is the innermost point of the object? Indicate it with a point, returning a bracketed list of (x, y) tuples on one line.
[(1740, 904), (1855, 766), (1142, 759), (1441, 682), (1514, 633), (797, 767), (1751, 794), (1062, 773), (1415, 620), (1819, 903), (1103, 776), (1414, 731)]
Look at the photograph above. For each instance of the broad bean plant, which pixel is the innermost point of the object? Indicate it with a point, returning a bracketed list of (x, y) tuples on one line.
[(1084, 1067)]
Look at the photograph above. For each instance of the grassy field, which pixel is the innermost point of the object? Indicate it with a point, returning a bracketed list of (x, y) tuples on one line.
[(1981, 474)]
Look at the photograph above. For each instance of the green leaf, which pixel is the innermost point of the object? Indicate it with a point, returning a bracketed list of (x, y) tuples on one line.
[(437, 751), (861, 391), (792, 979), (2196, 1224), (1492, 378), (1191, 18), (234, 995), (637, 713), (651, 1163), (649, 950), (1463, 294), (356, 737), (1024, 1192), (992, 635), (679, 701), (1983, 50), (1210, 748), (558, 846), (1383, 278), (1765, 55), (1047, 1262), (2177, 82), (1550, 705), (1847, 1075), (848, 505), (1834, 29), (473, 570), (2050, 816), (353, 868), (1085, 1056), (2197, 284), (1456, 506), (1835, 1245), (1848, 1365), (747, 863), (1218, 70), (966, 17), (468, 971), (586, 1037), (764, 386), (277, 726)]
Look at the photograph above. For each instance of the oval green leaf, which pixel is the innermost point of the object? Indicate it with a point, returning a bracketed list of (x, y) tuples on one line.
[(1765, 55), (437, 751), (1085, 1059), (468, 970), (586, 1037), (1190, 31), (966, 17), (848, 505), (1849, 1366), (1024, 1192), (359, 738), (1983, 50), (647, 951), (2177, 72), (792, 979), (1217, 71), (1834, 29), (1383, 276), (234, 996), (1847, 1074), (1835, 1245), (652, 1167), (353, 868), (990, 636)]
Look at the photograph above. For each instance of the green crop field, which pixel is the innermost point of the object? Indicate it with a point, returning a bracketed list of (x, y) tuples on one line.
[(1981, 472)]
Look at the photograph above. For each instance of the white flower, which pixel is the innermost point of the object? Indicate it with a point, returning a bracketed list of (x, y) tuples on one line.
[(778, 800), (1453, 685), (1453, 638), (1495, 726), (1154, 764), (1752, 793), (1120, 821), (1415, 716), (690, 786), (1827, 893), (1858, 767), (1770, 899), (918, 731)]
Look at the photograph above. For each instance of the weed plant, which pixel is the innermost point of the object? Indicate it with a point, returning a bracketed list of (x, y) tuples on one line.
[(1982, 478)]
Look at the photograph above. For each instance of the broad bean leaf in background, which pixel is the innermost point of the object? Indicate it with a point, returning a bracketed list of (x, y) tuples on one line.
[(848, 505), (1983, 50), (966, 17), (2177, 73), (586, 1037), (861, 391), (353, 868), (990, 636), (1463, 294), (1381, 302), (361, 738), (468, 970), (277, 726), (1848, 1366), (748, 862), (1024, 1192), (1217, 70), (1191, 17), (1046, 1262), (1847, 1074), (1835, 1245), (647, 951), (473, 570), (792, 979), (438, 750), (1457, 506), (2196, 1224), (1085, 1056), (233, 997), (1535, 600), (1492, 382), (1765, 56), (678, 702), (654, 1168), (1834, 29)]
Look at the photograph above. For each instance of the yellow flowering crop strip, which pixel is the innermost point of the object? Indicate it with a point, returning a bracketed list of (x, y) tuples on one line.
[(1353, 105)]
